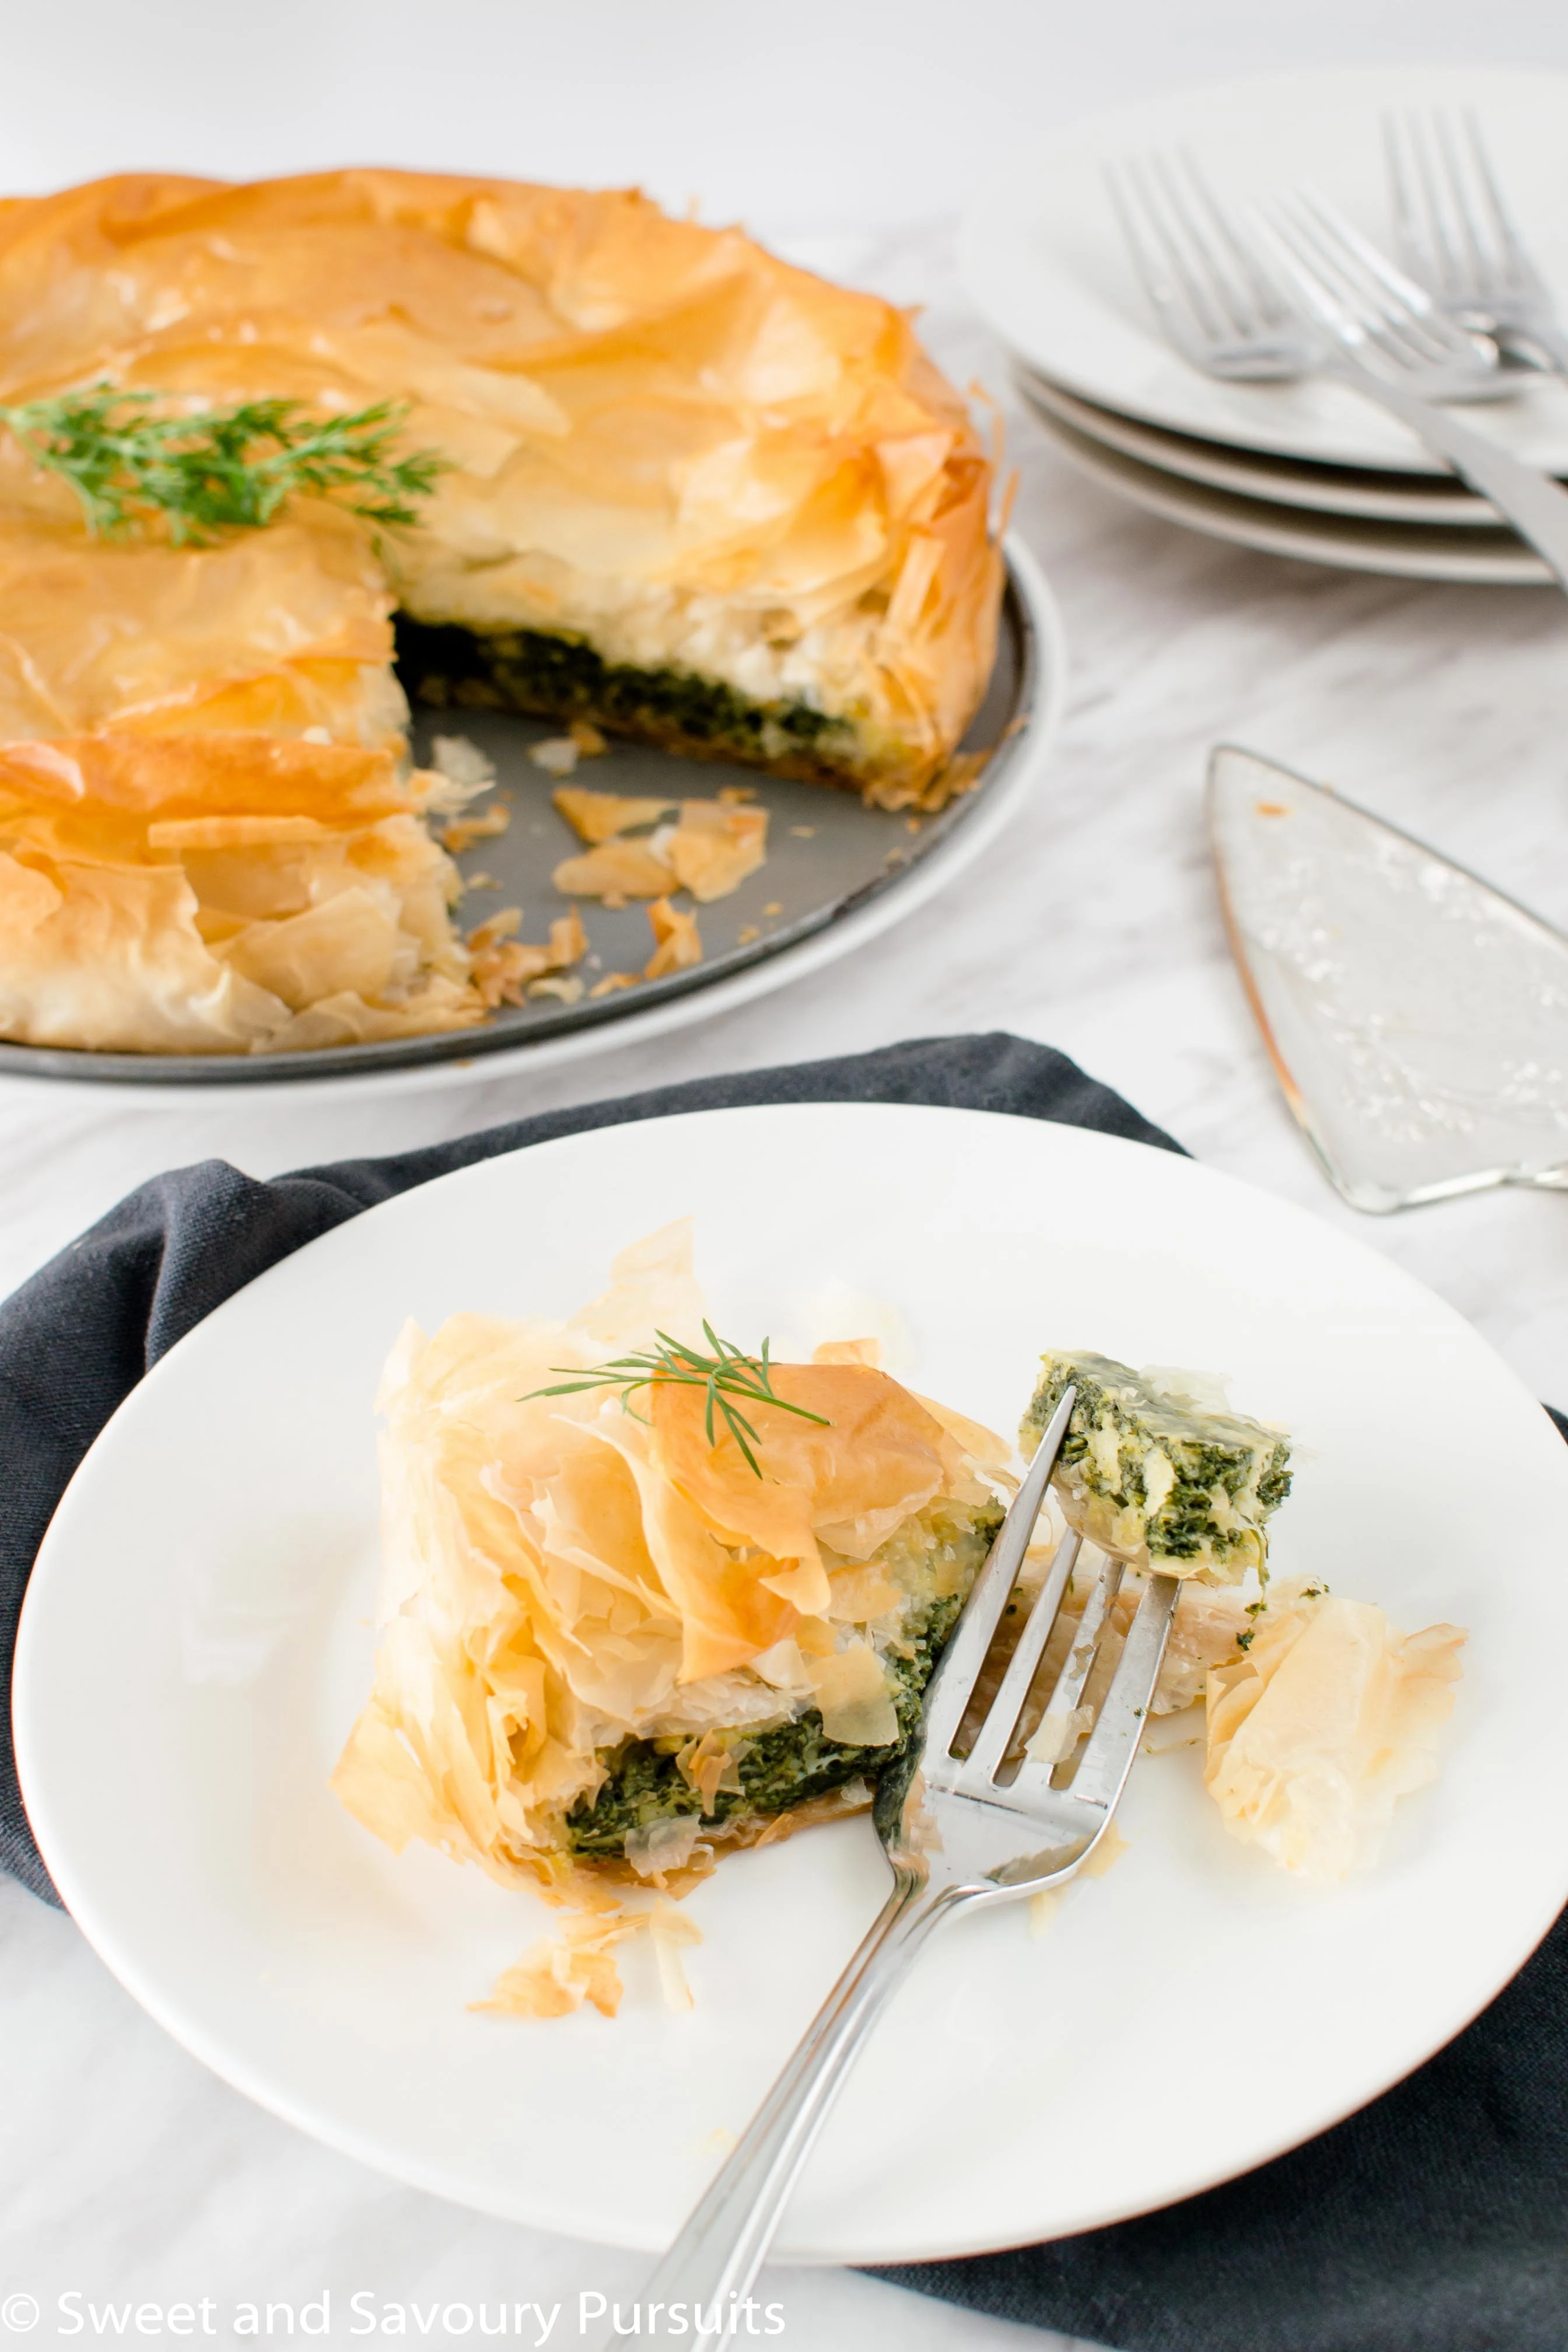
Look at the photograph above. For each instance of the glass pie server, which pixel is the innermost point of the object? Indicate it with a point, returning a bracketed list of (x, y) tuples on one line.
[(960, 1831), (1417, 1019)]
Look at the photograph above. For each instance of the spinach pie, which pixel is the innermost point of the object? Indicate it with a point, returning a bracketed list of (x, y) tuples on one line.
[(274, 456), (647, 1596)]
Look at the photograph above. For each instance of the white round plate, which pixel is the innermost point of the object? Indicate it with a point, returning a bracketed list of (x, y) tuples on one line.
[(1350, 491), (960, 836), (1044, 260), (195, 1646), (1410, 550)]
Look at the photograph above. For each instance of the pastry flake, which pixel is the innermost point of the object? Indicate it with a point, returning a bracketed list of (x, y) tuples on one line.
[(595, 817), (678, 944), (616, 870), (715, 847), (1328, 1717)]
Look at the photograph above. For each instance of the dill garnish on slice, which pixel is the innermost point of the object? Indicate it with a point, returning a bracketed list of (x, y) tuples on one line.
[(212, 469), (728, 1373)]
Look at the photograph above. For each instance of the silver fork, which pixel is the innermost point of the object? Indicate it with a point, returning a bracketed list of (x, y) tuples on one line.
[(959, 1832), (1228, 311), (1226, 288), (1455, 235)]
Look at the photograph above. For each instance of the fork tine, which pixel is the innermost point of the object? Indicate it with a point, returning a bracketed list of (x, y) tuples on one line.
[(1269, 310), (1114, 1743), (1486, 267), (1215, 299), (1319, 282), (1166, 278), (1335, 264), (1155, 286), (1505, 229), (1410, 229), (1466, 247), (1186, 249), (1053, 1732), (981, 1764), (1236, 314), (949, 1690), (1390, 282), (1429, 149)]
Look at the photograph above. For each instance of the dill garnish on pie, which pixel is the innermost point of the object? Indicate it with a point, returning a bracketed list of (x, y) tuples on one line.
[(135, 462)]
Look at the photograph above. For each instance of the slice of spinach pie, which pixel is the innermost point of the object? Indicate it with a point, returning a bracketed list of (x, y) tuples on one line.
[(645, 1595), (1156, 1469)]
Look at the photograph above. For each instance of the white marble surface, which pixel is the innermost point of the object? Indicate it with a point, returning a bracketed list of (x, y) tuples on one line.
[(126, 2170)]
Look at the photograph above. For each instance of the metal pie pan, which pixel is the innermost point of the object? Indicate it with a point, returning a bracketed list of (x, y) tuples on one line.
[(830, 857)]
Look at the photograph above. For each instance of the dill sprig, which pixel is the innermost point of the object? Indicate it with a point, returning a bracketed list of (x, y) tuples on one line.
[(218, 469), (728, 1373)]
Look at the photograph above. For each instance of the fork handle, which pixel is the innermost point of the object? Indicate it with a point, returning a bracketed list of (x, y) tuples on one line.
[(721, 2247), (1529, 500)]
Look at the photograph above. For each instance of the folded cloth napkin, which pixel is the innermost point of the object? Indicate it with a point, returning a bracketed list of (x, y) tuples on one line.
[(1432, 2221)]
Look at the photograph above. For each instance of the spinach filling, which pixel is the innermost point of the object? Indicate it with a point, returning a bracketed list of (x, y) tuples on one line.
[(785, 1766), (1209, 1453), (553, 677)]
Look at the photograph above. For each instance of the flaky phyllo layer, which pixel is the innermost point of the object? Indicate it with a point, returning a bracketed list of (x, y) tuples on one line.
[(606, 1643), (675, 487), (220, 893), (688, 489)]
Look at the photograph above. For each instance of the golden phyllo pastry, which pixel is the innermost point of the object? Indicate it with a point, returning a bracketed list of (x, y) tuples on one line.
[(611, 1640), (220, 892), (693, 491), (1327, 1718), (283, 632), (654, 478)]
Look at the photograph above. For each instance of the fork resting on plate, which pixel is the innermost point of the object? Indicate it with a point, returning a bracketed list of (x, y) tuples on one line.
[(960, 1832)]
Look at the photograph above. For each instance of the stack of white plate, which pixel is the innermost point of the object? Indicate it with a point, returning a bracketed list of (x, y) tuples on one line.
[(1308, 469)]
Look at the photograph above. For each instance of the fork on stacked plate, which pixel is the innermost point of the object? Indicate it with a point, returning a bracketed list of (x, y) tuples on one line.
[(1289, 289), (966, 1822), (1195, 344)]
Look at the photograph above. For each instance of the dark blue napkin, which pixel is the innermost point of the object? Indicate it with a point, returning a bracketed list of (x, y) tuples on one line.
[(1436, 2220)]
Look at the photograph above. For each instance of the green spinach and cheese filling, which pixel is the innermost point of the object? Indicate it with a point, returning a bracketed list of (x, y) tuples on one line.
[(1157, 1475), (553, 675), (661, 1796)]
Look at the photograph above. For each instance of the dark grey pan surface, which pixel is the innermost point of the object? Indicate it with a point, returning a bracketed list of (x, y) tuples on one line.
[(827, 855)]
